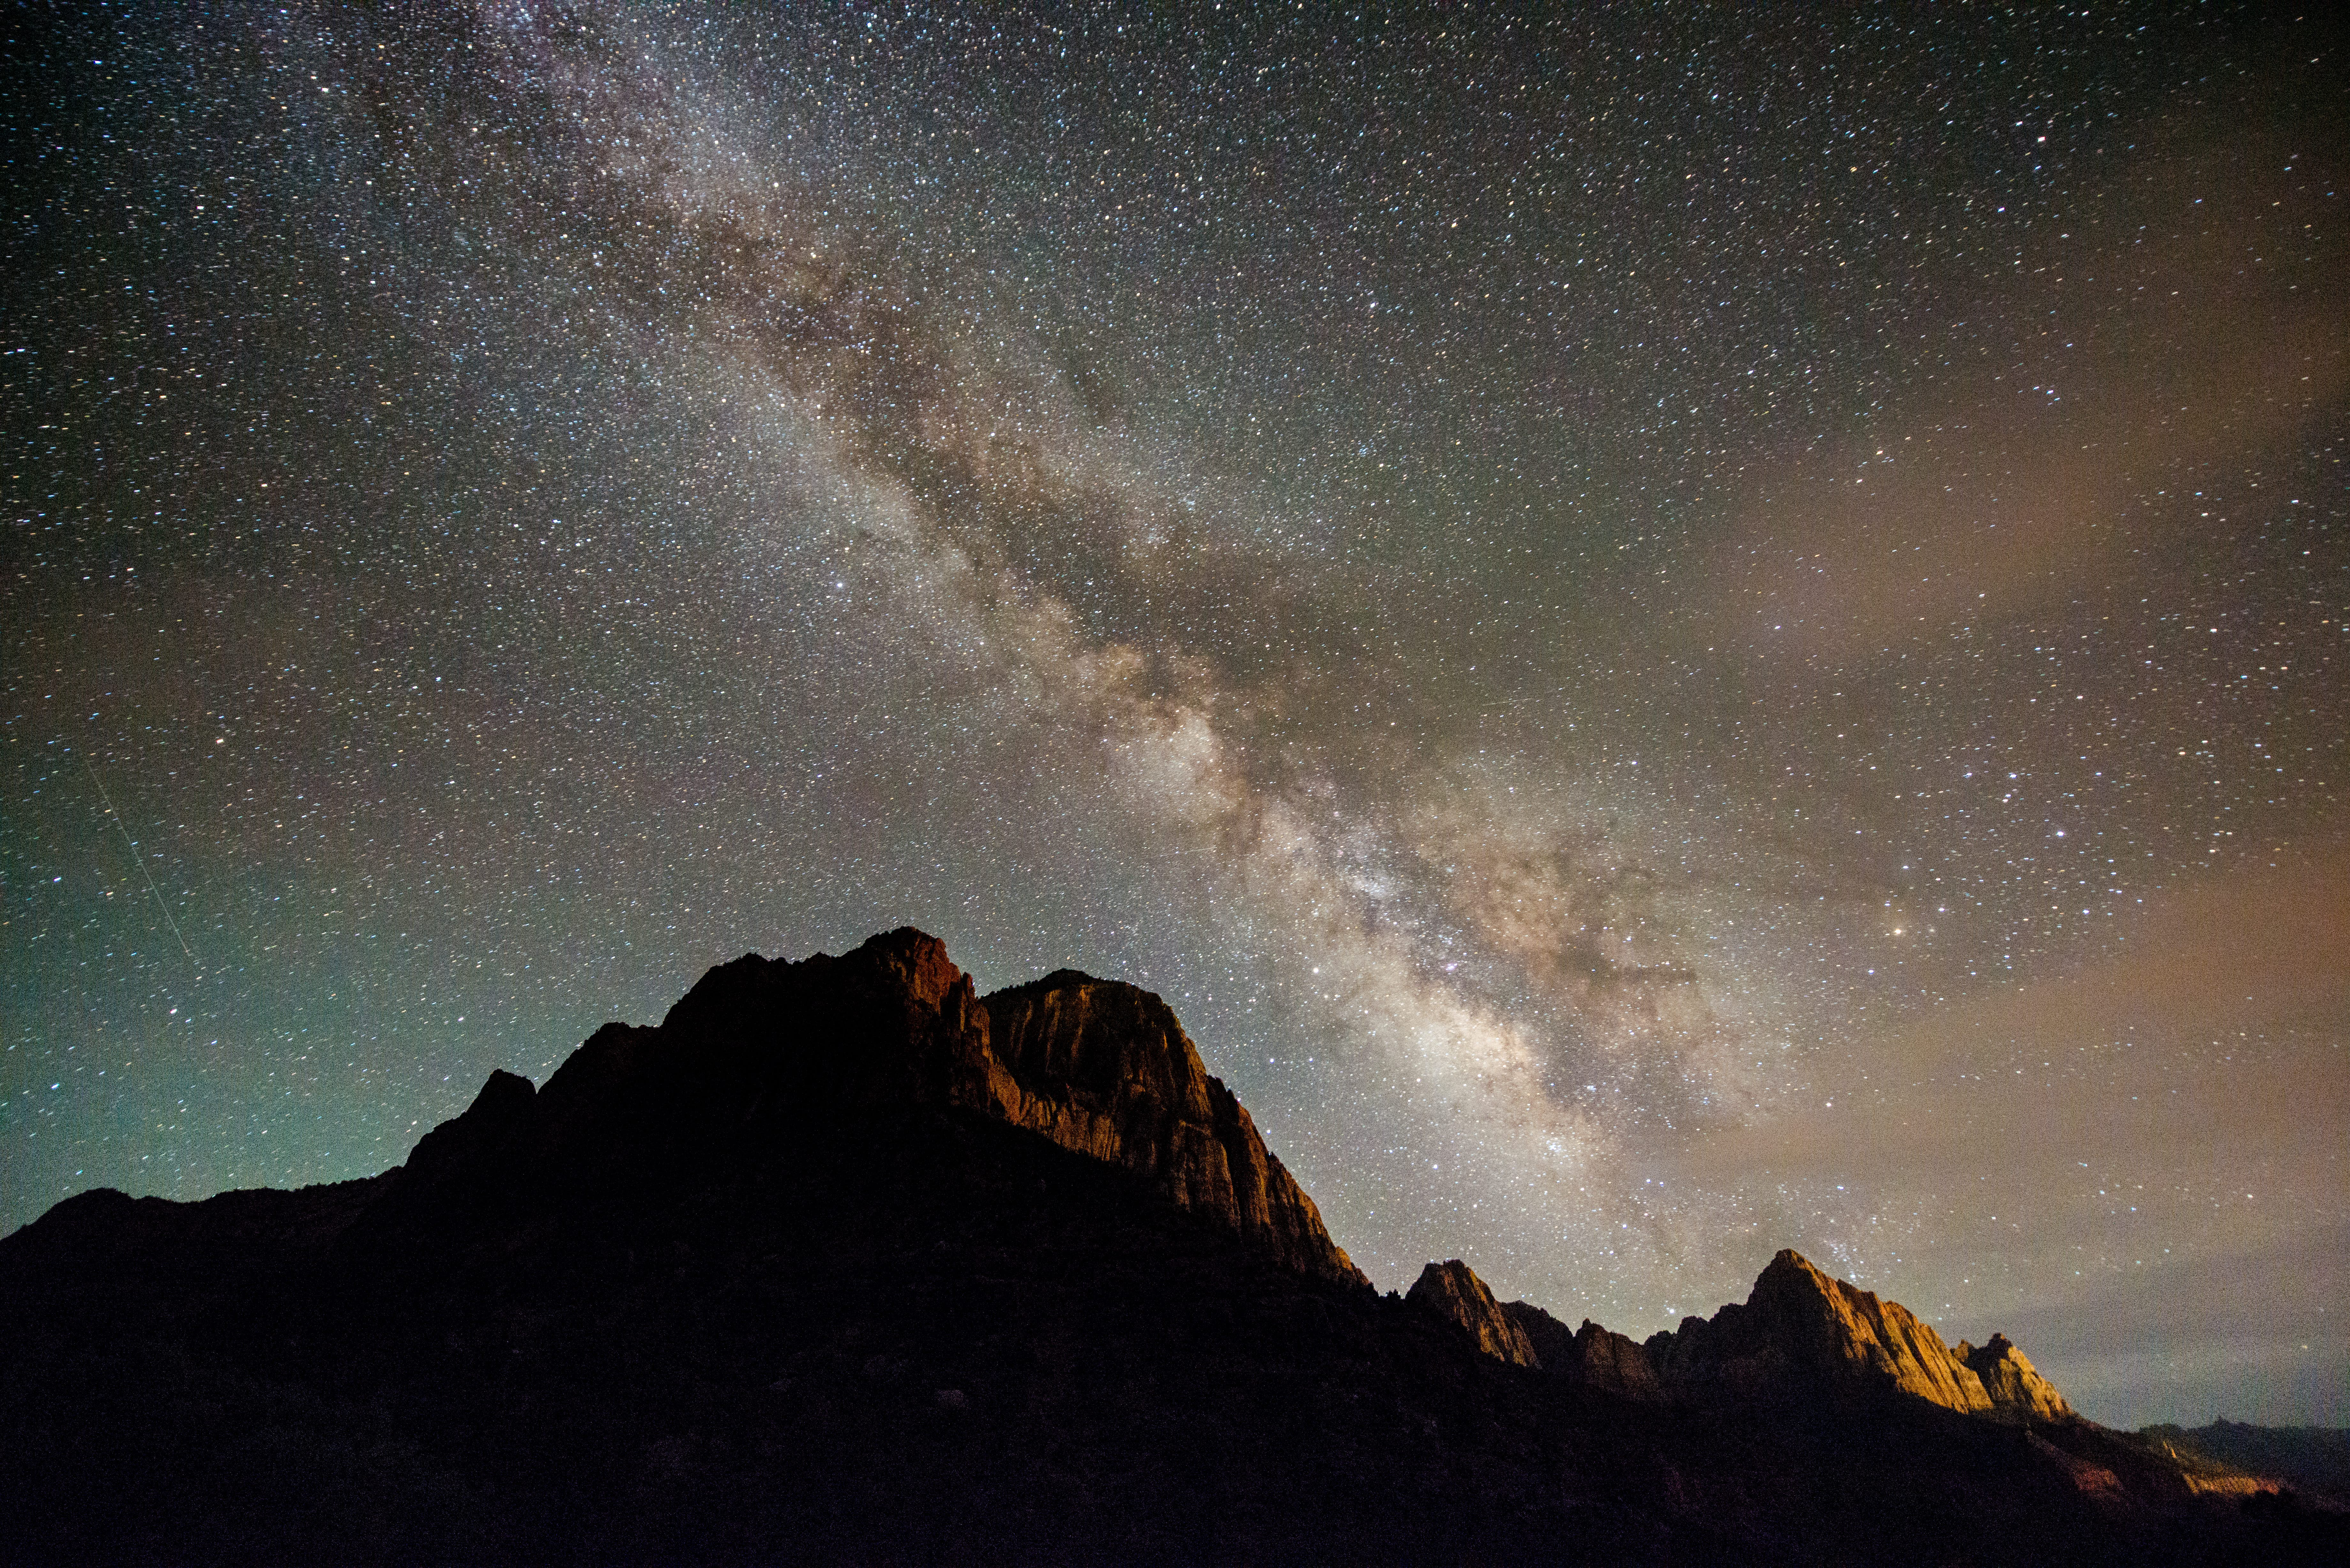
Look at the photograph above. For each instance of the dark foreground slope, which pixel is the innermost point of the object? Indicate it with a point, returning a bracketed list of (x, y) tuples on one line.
[(815, 1273)]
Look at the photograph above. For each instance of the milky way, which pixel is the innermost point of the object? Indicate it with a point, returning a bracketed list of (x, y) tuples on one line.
[(1690, 633)]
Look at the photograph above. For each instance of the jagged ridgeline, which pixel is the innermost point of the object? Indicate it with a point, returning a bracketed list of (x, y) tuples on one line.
[(1799, 1333), (843, 1261)]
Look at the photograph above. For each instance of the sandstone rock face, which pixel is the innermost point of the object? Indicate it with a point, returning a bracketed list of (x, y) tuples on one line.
[(1552, 1341), (1454, 1292), (2015, 1385), (1800, 1334), (1615, 1362), (1104, 1068), (1800, 1330), (1592, 1356)]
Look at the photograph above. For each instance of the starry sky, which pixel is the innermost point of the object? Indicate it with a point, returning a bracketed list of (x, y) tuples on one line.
[(1673, 633)]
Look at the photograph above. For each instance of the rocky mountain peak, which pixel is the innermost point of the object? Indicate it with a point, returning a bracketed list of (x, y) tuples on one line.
[(1104, 1068), (1803, 1333), (1098, 1066), (1593, 1357), (1800, 1334), (500, 1109), (1799, 1324), (1453, 1292), (2013, 1384)]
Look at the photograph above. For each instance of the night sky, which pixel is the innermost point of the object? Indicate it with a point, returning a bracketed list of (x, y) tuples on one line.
[(1692, 631)]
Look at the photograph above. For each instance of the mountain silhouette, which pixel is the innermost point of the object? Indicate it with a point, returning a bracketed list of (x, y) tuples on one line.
[(843, 1261)]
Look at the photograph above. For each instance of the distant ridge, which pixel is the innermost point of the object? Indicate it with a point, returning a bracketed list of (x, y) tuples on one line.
[(2314, 1459), (1800, 1334)]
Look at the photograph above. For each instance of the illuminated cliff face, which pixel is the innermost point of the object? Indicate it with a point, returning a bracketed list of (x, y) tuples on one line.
[(1799, 1335), (2013, 1384), (1102, 1067)]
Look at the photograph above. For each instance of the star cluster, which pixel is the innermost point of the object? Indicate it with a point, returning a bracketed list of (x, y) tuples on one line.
[(1673, 632)]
